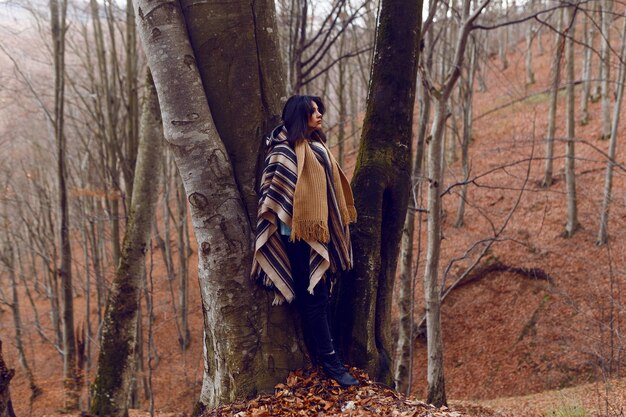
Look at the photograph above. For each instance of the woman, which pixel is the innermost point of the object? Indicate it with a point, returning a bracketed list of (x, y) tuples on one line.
[(302, 232)]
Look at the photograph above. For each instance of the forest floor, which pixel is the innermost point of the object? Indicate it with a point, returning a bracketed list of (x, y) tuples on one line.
[(515, 344)]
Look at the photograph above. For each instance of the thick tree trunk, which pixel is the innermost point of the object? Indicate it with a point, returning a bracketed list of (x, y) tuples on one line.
[(254, 92), (556, 79), (236, 47), (6, 375), (116, 361), (381, 184), (570, 153), (608, 182), (248, 346)]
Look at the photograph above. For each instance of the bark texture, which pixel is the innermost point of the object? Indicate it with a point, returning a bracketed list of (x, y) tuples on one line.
[(118, 347), (247, 346), (236, 47), (381, 184)]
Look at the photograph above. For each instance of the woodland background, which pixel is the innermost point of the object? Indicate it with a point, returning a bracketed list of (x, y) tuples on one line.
[(531, 264)]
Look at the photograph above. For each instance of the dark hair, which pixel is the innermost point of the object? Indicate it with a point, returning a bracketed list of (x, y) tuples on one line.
[(296, 115)]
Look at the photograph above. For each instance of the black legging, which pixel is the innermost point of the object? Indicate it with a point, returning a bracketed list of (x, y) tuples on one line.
[(313, 307)]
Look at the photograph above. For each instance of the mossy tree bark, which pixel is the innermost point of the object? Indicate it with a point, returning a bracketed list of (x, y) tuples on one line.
[(118, 346), (235, 69), (236, 48), (381, 185)]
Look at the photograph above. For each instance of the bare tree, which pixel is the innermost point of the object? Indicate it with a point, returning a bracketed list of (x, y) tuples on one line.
[(308, 42), (58, 25), (556, 80), (467, 90), (8, 259), (118, 347), (605, 65), (436, 384), (244, 339), (570, 154), (608, 182), (530, 36), (382, 183), (589, 35), (406, 281)]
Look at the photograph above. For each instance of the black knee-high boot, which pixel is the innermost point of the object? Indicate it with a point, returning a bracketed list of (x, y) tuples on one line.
[(314, 311)]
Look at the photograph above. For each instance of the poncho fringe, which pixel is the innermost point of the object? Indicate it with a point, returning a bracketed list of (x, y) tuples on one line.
[(329, 240)]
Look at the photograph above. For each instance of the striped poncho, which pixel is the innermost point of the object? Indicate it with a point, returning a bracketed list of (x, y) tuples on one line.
[(271, 266)]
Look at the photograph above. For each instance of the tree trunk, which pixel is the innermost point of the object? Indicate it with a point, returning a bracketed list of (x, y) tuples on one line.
[(183, 261), (341, 96), (6, 375), (229, 75), (556, 80), (129, 158), (256, 92), (530, 75), (589, 32), (436, 384), (605, 51), (245, 340), (17, 322), (468, 94), (381, 184), (608, 182), (406, 281), (70, 373), (570, 153), (116, 360)]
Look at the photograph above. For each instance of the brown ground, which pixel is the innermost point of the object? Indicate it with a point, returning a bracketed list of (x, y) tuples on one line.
[(508, 335), (511, 343)]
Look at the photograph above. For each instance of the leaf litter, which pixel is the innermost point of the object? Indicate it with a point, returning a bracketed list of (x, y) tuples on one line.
[(307, 392)]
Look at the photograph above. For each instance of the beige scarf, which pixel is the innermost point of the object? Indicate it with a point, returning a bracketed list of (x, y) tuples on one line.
[(310, 202)]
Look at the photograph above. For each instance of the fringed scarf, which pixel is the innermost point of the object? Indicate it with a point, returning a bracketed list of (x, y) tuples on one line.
[(305, 189), (310, 201)]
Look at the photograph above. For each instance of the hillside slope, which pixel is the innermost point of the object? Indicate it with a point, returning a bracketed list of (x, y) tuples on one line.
[(510, 333)]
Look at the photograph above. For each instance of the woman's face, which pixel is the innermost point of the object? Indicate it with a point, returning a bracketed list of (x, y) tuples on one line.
[(315, 119)]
